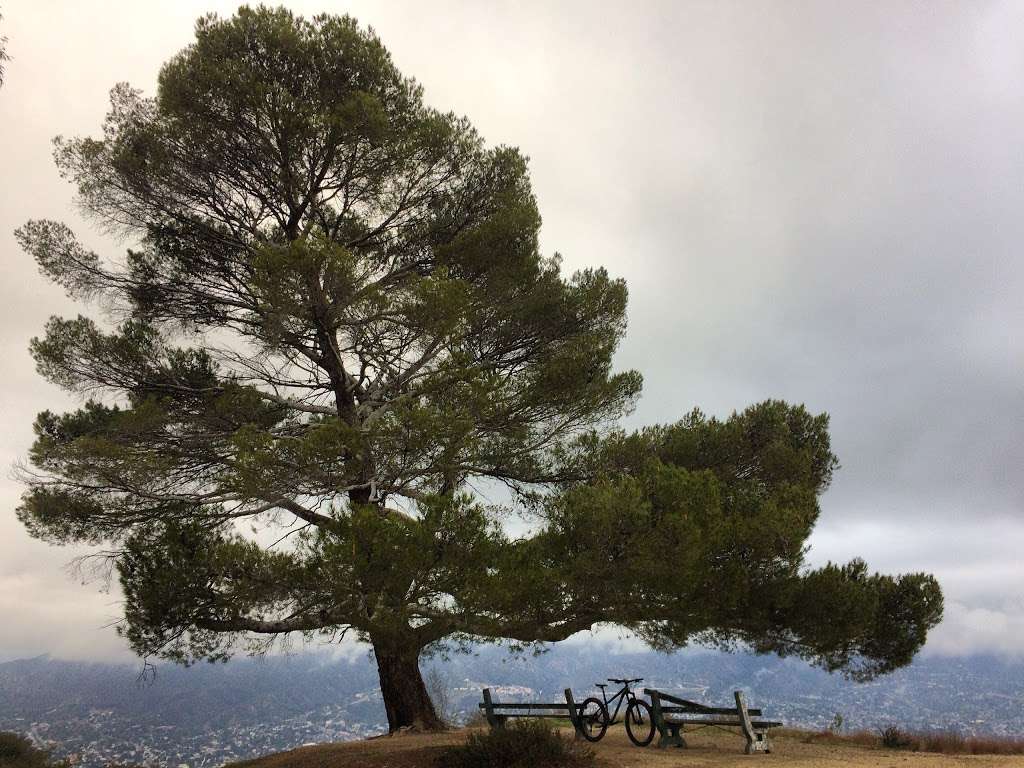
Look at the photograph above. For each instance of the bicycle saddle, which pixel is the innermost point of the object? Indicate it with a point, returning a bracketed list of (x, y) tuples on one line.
[(601, 685), (626, 682)]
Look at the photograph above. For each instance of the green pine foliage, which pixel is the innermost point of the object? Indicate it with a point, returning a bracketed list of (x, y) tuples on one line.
[(16, 751), (335, 322), (4, 56)]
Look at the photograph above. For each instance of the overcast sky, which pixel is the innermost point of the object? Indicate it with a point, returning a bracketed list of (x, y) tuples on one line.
[(821, 202)]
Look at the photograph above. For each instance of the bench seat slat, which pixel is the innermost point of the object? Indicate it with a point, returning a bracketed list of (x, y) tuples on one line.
[(722, 721), (538, 714), (734, 715), (525, 705), (672, 714), (499, 712), (709, 711)]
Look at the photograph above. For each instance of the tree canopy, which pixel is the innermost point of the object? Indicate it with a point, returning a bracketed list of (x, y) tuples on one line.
[(4, 57), (333, 323)]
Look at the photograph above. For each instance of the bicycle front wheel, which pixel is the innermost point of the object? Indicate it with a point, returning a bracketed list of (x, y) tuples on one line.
[(593, 719), (639, 723)]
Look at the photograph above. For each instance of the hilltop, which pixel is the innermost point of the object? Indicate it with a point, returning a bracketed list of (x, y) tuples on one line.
[(708, 749), (208, 715)]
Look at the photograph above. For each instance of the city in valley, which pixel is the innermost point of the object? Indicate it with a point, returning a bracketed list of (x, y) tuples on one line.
[(208, 715)]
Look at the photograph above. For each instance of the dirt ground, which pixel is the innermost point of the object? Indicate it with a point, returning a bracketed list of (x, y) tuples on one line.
[(707, 749)]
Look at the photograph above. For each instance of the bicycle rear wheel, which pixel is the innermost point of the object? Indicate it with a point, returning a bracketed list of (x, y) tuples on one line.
[(593, 719), (639, 723)]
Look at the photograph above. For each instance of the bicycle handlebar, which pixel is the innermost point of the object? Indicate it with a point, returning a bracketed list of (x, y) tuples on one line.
[(626, 682)]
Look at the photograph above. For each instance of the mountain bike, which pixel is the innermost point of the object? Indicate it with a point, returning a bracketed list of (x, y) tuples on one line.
[(594, 717)]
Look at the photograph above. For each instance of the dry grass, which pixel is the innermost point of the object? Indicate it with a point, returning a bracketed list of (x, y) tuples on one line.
[(406, 751), (851, 738), (708, 748), (939, 742), (955, 744)]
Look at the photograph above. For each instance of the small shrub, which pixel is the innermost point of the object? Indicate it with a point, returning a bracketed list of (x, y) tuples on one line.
[(895, 738), (946, 742), (836, 725), (520, 744), (466, 718), (437, 689), (18, 752), (475, 720)]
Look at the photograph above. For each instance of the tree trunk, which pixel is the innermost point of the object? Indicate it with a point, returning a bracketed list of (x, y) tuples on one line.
[(405, 696)]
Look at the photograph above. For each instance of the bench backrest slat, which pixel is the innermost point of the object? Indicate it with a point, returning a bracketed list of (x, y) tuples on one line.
[(497, 713), (684, 705), (691, 705), (671, 720)]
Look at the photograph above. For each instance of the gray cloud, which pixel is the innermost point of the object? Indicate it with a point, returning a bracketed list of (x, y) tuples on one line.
[(818, 201)]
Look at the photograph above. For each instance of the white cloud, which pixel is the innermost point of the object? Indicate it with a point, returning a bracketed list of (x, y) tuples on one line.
[(819, 202), (967, 630)]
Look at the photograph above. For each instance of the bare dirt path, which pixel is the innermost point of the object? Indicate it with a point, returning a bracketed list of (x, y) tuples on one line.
[(708, 749), (717, 749)]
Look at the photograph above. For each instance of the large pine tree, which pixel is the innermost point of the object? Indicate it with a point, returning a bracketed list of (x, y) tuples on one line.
[(334, 319)]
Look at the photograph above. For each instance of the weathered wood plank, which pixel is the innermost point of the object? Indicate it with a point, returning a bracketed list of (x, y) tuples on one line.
[(574, 713), (675, 700), (736, 722), (488, 707), (668, 733), (757, 738), (530, 704), (671, 718), (498, 712), (709, 711)]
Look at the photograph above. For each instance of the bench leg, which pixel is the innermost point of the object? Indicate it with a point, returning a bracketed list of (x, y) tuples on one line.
[(668, 733), (759, 741), (488, 707), (673, 737), (574, 714)]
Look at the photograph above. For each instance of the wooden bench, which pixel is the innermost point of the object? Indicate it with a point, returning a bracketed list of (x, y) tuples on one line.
[(498, 712), (671, 714)]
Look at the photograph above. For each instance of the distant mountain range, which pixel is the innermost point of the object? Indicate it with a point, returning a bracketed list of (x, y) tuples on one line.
[(209, 714)]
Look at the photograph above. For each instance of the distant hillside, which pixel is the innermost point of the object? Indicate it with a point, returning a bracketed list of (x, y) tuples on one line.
[(207, 715)]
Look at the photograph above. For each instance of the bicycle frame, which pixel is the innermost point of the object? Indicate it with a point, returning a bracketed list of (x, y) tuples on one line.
[(624, 694), (595, 717)]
